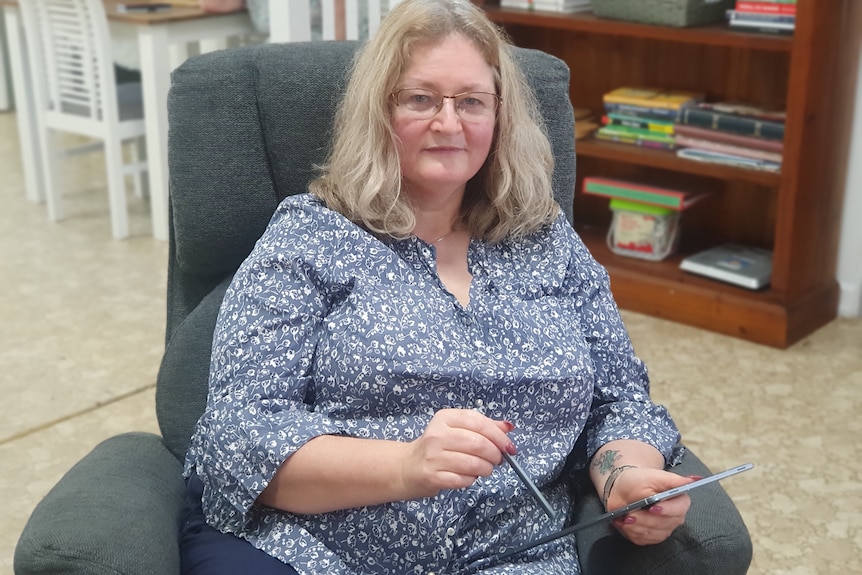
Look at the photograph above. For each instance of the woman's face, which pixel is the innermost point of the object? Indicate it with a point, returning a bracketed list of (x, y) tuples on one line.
[(439, 154)]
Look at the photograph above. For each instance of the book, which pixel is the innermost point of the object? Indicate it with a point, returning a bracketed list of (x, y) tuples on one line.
[(776, 146), (712, 157), (677, 200), (736, 123), (642, 111), (769, 19), (652, 98), (766, 7), (758, 26), (743, 266), (633, 140), (743, 109), (651, 124), (729, 149), (627, 132)]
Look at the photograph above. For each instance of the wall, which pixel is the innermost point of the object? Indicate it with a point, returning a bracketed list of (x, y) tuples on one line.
[(849, 271)]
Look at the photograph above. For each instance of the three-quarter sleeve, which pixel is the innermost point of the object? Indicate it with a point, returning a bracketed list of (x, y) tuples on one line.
[(258, 411)]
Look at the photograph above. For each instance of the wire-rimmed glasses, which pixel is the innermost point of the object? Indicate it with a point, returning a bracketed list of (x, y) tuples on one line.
[(422, 104)]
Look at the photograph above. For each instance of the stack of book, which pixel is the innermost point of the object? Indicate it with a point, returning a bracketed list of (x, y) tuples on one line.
[(644, 116), (731, 134), (549, 5), (645, 220), (774, 16)]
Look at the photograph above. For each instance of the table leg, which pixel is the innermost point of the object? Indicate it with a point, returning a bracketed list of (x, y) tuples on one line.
[(22, 84), (155, 79)]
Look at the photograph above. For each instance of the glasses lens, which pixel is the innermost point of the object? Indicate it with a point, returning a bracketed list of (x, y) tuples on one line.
[(476, 105), (424, 104), (419, 102)]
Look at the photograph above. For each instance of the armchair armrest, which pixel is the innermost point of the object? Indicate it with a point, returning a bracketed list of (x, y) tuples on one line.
[(713, 540), (117, 511)]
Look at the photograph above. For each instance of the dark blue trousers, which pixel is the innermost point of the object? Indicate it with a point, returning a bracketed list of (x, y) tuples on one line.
[(207, 551)]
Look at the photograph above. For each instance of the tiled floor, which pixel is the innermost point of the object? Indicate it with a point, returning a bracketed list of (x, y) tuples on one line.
[(83, 321)]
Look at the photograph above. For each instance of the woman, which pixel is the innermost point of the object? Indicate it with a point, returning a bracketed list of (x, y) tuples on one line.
[(423, 311)]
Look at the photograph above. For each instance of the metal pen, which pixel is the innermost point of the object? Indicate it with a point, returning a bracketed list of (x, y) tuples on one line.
[(533, 488)]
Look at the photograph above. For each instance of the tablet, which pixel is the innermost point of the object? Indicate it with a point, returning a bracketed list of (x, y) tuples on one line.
[(633, 506)]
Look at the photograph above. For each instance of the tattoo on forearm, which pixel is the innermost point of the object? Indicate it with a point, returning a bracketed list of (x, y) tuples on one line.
[(605, 462)]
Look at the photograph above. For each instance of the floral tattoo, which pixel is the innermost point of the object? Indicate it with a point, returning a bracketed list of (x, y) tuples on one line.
[(605, 462)]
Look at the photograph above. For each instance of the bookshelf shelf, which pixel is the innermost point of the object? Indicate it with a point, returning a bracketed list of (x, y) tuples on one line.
[(592, 148), (718, 35), (794, 213)]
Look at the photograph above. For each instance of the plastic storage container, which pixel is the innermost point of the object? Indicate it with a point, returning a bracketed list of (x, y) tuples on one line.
[(643, 231)]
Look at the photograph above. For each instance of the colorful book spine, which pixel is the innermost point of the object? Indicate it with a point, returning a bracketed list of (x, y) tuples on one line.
[(641, 111), (638, 132), (661, 126), (635, 192), (728, 149), (727, 160), (634, 141), (766, 7), (775, 146), (768, 19), (745, 126)]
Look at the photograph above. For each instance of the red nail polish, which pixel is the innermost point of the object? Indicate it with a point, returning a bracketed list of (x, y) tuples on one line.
[(511, 449), (630, 520), (510, 425), (655, 509)]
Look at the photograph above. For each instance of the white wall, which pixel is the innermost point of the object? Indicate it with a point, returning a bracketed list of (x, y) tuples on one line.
[(850, 251)]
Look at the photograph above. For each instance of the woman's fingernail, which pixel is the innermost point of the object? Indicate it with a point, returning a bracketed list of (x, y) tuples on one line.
[(655, 509), (696, 477), (630, 520), (511, 449), (510, 425)]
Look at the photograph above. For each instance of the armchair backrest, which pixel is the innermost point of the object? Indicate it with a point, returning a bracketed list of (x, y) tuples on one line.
[(246, 128)]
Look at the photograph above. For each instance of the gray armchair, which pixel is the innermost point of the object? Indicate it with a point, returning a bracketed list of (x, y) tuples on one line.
[(246, 127)]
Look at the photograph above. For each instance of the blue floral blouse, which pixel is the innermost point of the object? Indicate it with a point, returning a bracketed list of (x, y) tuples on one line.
[(327, 329)]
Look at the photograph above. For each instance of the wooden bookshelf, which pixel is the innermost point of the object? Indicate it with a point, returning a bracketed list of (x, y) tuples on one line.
[(795, 213)]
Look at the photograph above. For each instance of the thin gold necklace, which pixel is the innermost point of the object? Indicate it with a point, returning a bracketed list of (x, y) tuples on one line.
[(444, 236)]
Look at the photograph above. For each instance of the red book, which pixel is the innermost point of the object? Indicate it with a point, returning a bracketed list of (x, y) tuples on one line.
[(728, 138), (766, 7)]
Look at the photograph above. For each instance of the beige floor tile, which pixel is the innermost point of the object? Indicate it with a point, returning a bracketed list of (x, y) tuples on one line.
[(83, 313)]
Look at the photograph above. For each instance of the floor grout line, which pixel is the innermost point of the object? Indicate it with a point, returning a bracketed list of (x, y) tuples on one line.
[(74, 415)]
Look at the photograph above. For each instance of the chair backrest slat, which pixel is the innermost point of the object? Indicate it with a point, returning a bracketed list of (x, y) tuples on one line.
[(70, 39)]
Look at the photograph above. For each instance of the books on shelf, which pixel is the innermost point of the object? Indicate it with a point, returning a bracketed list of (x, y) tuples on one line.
[(643, 116), (639, 123), (744, 125), (732, 134), (677, 200), (712, 157), (549, 5), (763, 16), (727, 149), (650, 99), (762, 7), (743, 266), (751, 142)]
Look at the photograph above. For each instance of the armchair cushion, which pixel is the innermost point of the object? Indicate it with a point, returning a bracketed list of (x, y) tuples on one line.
[(116, 511), (713, 540)]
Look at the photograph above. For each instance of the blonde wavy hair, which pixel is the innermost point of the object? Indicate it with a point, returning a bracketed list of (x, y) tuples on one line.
[(511, 195)]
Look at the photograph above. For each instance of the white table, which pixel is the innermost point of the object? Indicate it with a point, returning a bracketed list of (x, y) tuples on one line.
[(156, 33)]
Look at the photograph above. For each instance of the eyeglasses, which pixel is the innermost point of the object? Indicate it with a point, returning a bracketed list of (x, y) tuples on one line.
[(422, 104)]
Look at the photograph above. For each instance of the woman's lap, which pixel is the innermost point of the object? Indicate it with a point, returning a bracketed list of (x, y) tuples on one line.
[(207, 551)]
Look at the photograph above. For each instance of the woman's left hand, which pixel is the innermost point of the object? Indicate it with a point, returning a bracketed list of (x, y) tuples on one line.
[(653, 524)]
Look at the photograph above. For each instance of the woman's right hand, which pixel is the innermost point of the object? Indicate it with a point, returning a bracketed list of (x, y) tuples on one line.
[(457, 447)]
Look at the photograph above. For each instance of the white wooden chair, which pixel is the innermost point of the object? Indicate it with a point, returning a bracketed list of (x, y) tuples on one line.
[(292, 21), (76, 92)]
